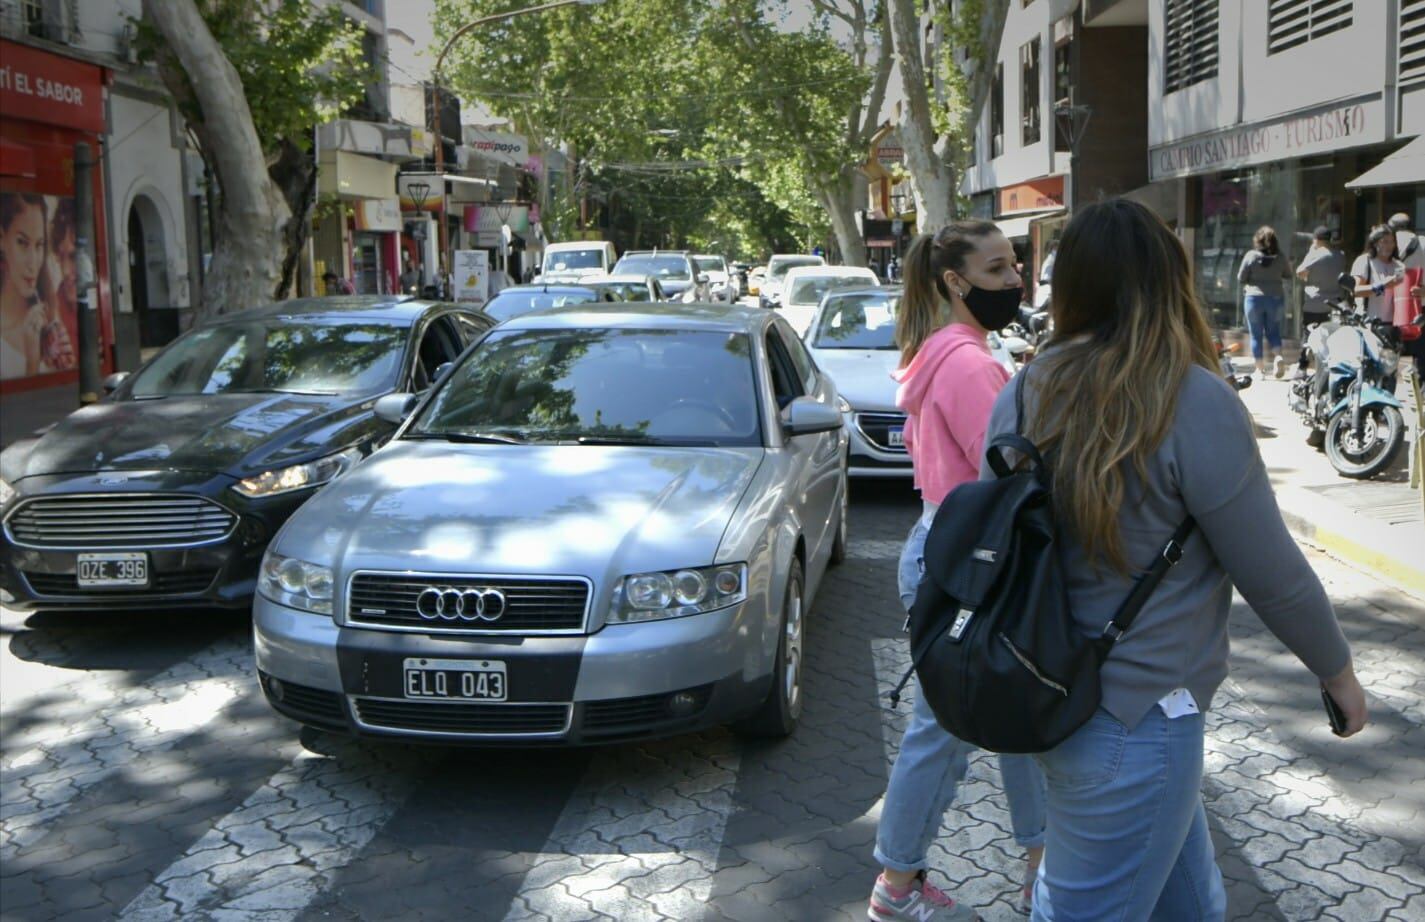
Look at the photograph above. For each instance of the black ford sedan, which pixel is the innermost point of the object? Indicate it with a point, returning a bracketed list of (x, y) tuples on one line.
[(167, 492)]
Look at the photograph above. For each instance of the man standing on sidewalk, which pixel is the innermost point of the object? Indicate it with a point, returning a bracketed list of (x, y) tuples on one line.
[(1319, 269)]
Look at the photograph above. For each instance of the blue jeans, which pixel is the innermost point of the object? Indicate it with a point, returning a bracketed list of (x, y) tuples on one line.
[(932, 763), (1264, 322), (1128, 837)]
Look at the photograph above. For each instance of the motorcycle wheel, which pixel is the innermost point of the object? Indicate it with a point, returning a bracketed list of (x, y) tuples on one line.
[(1374, 452)]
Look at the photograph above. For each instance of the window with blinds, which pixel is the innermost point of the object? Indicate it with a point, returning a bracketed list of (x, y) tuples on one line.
[(1412, 42), (1190, 43), (1295, 22)]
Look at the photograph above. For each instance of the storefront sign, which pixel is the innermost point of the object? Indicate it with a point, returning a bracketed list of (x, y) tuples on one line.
[(495, 145), (378, 214), (472, 275), (1036, 195), (42, 87), (354, 176), (1336, 128)]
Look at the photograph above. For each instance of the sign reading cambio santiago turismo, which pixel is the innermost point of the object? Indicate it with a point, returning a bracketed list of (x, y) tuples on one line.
[(1327, 130)]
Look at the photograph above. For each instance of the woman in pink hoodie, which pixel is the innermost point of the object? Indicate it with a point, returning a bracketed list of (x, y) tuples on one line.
[(960, 284)]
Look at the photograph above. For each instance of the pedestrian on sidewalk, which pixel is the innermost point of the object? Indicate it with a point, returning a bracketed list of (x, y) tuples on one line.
[(1262, 274), (1142, 432), (1320, 270), (959, 284), (1377, 272)]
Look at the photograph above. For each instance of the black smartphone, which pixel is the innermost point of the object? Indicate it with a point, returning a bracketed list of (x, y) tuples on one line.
[(1334, 714)]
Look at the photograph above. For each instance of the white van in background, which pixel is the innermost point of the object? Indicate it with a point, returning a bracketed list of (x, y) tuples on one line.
[(573, 259)]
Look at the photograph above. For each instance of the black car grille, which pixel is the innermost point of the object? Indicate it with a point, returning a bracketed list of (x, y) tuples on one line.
[(531, 605), (487, 719), (876, 427), (67, 584), (623, 715), (119, 520)]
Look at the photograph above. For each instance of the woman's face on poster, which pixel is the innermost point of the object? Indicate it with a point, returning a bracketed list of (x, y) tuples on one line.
[(22, 244)]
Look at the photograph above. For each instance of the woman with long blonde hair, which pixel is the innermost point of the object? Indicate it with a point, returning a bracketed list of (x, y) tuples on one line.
[(1141, 432)]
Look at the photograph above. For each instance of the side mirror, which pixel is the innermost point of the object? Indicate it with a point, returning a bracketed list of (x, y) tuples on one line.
[(112, 382), (394, 408), (1347, 281), (440, 372), (808, 416), (702, 278)]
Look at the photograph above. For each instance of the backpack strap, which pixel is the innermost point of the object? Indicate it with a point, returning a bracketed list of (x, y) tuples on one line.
[(994, 453), (1171, 553)]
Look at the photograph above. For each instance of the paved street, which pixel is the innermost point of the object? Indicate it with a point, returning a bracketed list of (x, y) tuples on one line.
[(145, 779)]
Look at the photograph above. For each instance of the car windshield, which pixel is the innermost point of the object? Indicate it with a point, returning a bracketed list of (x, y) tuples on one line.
[(810, 290), (573, 259), (514, 302), (674, 268), (861, 321), (656, 387), (710, 264), (780, 267), (293, 355)]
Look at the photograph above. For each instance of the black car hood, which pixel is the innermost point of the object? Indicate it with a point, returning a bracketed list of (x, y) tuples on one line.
[(233, 433)]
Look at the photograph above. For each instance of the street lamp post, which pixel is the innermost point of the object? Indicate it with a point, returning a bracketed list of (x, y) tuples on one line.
[(436, 78)]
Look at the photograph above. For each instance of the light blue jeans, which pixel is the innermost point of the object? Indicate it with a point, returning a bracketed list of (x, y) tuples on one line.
[(1128, 837), (1264, 323), (932, 763)]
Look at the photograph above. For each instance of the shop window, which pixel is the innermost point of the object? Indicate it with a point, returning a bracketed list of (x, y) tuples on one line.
[(997, 113), (46, 19), (1062, 93), (1029, 93), (1189, 43), (1412, 42), (1295, 22)]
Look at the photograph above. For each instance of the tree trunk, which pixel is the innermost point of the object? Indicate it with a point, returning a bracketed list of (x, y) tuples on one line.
[(295, 174), (246, 267), (931, 177), (838, 197)]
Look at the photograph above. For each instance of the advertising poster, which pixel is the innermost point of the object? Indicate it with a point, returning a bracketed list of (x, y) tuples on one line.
[(39, 320), (472, 275)]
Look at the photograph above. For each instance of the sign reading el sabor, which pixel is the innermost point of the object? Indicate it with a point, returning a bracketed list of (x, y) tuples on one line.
[(1334, 128)]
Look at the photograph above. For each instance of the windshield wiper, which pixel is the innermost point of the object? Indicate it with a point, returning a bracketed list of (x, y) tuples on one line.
[(468, 438), (640, 440)]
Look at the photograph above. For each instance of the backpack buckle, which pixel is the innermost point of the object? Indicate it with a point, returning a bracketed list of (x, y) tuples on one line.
[(962, 621), (1112, 632), (1172, 553)]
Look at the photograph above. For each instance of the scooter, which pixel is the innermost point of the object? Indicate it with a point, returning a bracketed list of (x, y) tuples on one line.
[(1349, 403)]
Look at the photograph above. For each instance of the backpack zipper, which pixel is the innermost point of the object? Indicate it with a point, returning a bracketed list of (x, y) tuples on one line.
[(1028, 664)]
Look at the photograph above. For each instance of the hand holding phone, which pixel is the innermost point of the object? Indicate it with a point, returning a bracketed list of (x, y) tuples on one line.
[(1334, 715), (1345, 703)]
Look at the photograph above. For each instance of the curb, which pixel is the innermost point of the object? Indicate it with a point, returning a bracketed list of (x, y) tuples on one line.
[(1351, 541)]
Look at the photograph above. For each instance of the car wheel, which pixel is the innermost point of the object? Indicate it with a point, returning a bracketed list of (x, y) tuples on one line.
[(843, 518), (778, 715)]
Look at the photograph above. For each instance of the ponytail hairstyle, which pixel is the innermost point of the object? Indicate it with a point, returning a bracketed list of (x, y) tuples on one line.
[(926, 263), (1106, 389), (1265, 240)]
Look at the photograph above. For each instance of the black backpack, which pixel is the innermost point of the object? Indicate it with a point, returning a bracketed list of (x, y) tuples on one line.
[(1001, 661)]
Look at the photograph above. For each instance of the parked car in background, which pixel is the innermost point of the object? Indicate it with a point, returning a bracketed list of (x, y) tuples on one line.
[(604, 524), (166, 493), (770, 289), (755, 278), (805, 286), (522, 299), (674, 270), (720, 284), (572, 260), (628, 287), (853, 340)]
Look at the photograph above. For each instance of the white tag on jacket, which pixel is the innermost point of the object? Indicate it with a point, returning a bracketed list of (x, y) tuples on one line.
[(1178, 703)]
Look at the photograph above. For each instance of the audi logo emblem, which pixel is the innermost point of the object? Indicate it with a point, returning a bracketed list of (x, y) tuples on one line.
[(452, 604)]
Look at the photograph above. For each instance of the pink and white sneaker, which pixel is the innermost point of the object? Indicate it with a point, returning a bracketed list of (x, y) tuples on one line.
[(919, 902)]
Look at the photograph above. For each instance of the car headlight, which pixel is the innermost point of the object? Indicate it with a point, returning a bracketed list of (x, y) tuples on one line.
[(842, 405), (298, 476), (676, 593), (7, 493), (296, 583)]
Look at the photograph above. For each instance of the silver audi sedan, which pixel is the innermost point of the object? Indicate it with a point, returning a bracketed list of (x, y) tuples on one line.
[(602, 523)]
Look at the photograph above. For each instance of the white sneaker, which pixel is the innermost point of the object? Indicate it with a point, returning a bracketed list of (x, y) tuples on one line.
[(1278, 367)]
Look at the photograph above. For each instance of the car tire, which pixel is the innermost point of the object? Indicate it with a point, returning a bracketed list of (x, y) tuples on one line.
[(778, 714), (843, 526)]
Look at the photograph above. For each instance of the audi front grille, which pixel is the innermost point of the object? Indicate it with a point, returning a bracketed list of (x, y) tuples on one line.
[(445, 603), (119, 520), (876, 427)]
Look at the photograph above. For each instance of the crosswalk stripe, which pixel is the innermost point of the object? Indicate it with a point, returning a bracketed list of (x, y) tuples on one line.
[(56, 762), (639, 837), (269, 858)]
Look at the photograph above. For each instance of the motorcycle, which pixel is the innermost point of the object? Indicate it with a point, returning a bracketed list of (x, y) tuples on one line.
[(1349, 402)]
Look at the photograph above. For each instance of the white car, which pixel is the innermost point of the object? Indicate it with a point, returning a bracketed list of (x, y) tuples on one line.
[(805, 286), (769, 292), (853, 340), (573, 260), (721, 285)]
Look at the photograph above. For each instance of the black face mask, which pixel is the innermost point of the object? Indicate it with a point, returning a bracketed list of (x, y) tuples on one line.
[(994, 310)]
